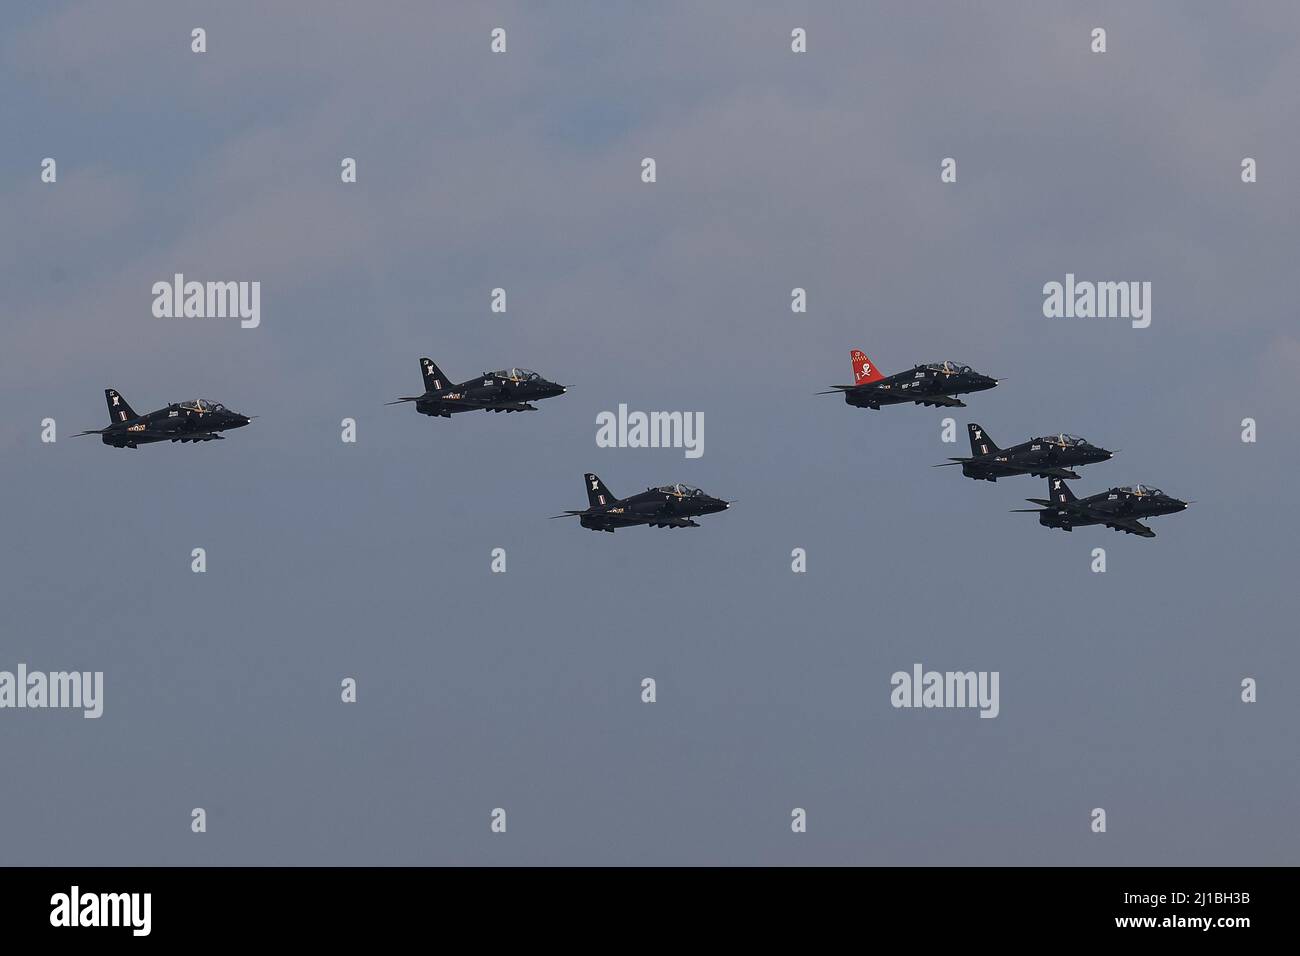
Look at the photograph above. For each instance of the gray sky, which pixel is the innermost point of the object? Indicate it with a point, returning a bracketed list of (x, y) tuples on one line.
[(522, 690)]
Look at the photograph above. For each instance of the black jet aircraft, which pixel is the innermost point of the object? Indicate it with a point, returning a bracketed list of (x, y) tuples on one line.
[(509, 390), (199, 420), (934, 384), (670, 506), (1051, 456), (1118, 508)]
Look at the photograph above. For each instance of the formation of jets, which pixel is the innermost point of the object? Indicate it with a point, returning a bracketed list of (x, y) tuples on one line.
[(1053, 457), (936, 384)]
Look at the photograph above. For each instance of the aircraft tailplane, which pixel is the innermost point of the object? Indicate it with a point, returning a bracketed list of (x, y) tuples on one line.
[(1059, 492), (434, 379), (118, 409), (598, 496), (863, 369), (980, 442)]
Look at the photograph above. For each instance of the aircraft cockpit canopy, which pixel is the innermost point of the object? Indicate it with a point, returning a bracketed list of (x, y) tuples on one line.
[(517, 374), (952, 368), (680, 490), (1142, 491), (203, 405), (1065, 441)]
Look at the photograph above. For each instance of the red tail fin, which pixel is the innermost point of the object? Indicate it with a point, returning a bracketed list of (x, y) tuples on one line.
[(863, 370)]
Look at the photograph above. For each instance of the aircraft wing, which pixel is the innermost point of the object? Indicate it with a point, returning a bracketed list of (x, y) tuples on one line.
[(892, 397), (500, 406), (1119, 523), (937, 400), (1048, 472), (672, 521), (1011, 468), (1131, 525), (623, 520), (1006, 469), (628, 520), (1075, 507)]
